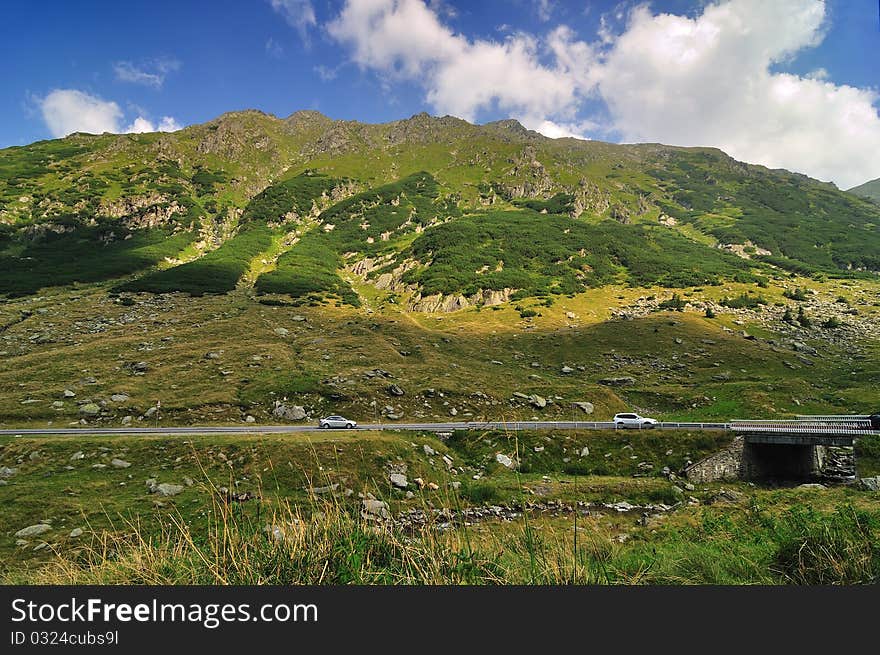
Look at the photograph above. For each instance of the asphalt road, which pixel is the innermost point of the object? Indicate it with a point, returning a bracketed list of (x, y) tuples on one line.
[(431, 427)]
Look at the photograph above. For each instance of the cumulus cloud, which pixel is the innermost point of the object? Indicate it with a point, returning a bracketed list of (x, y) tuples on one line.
[(68, 110), (405, 39), (152, 73), (299, 14), (703, 80), (708, 81)]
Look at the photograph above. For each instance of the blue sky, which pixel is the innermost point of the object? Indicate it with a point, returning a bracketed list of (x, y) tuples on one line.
[(787, 83)]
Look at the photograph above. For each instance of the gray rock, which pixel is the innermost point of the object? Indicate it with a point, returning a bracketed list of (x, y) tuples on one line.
[(320, 491), (76, 532), (69, 394), (282, 332), (394, 390), (119, 397), (119, 463), (504, 460), (585, 452), (33, 530), (537, 401), (6, 472), (428, 450), (167, 489), (90, 409), (399, 480), (812, 485), (375, 508), (617, 382), (150, 413), (586, 408), (127, 419), (870, 484), (290, 412), (455, 484), (58, 404), (567, 369), (249, 419)]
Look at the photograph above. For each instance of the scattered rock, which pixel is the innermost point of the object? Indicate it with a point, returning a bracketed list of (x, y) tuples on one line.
[(282, 332), (119, 463), (76, 532), (164, 489), (617, 382), (399, 480), (585, 452), (290, 412), (586, 408), (567, 369), (428, 450), (119, 397), (69, 394), (537, 401), (375, 508), (504, 460), (6, 472), (870, 484), (394, 390), (33, 530), (89, 409)]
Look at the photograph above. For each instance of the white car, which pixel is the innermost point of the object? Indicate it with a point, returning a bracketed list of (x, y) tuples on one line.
[(633, 421), (337, 422)]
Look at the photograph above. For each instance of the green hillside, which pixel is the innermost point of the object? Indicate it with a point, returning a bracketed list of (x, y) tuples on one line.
[(446, 207), (870, 190)]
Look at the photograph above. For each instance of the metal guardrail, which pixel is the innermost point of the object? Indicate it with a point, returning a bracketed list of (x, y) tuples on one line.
[(833, 418), (802, 427)]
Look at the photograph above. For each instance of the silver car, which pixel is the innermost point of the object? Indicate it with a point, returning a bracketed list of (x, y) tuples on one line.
[(633, 421), (337, 422)]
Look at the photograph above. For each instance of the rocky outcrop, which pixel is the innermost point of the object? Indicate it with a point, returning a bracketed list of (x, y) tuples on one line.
[(452, 303)]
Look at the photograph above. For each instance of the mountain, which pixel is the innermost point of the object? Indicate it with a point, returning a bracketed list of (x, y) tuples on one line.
[(325, 261), (287, 205), (870, 190)]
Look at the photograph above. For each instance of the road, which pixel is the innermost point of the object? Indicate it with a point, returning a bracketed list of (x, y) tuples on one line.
[(430, 427)]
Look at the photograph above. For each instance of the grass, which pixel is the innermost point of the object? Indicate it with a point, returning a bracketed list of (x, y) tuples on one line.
[(285, 535), (82, 256), (216, 272)]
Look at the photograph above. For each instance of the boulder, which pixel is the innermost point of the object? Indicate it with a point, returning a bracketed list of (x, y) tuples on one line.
[(89, 409), (504, 460), (373, 508), (586, 408), (394, 390), (33, 530), (537, 401), (870, 484), (617, 382), (119, 463), (399, 480), (290, 412), (167, 489)]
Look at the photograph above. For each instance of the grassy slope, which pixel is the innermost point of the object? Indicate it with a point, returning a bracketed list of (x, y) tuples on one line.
[(706, 540), (870, 190)]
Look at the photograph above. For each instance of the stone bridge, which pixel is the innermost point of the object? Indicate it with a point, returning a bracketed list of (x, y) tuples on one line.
[(808, 448)]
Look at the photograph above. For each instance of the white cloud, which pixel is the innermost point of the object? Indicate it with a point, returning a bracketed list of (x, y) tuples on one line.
[(703, 80), (299, 14), (68, 110), (152, 73), (545, 9), (707, 81), (404, 39)]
